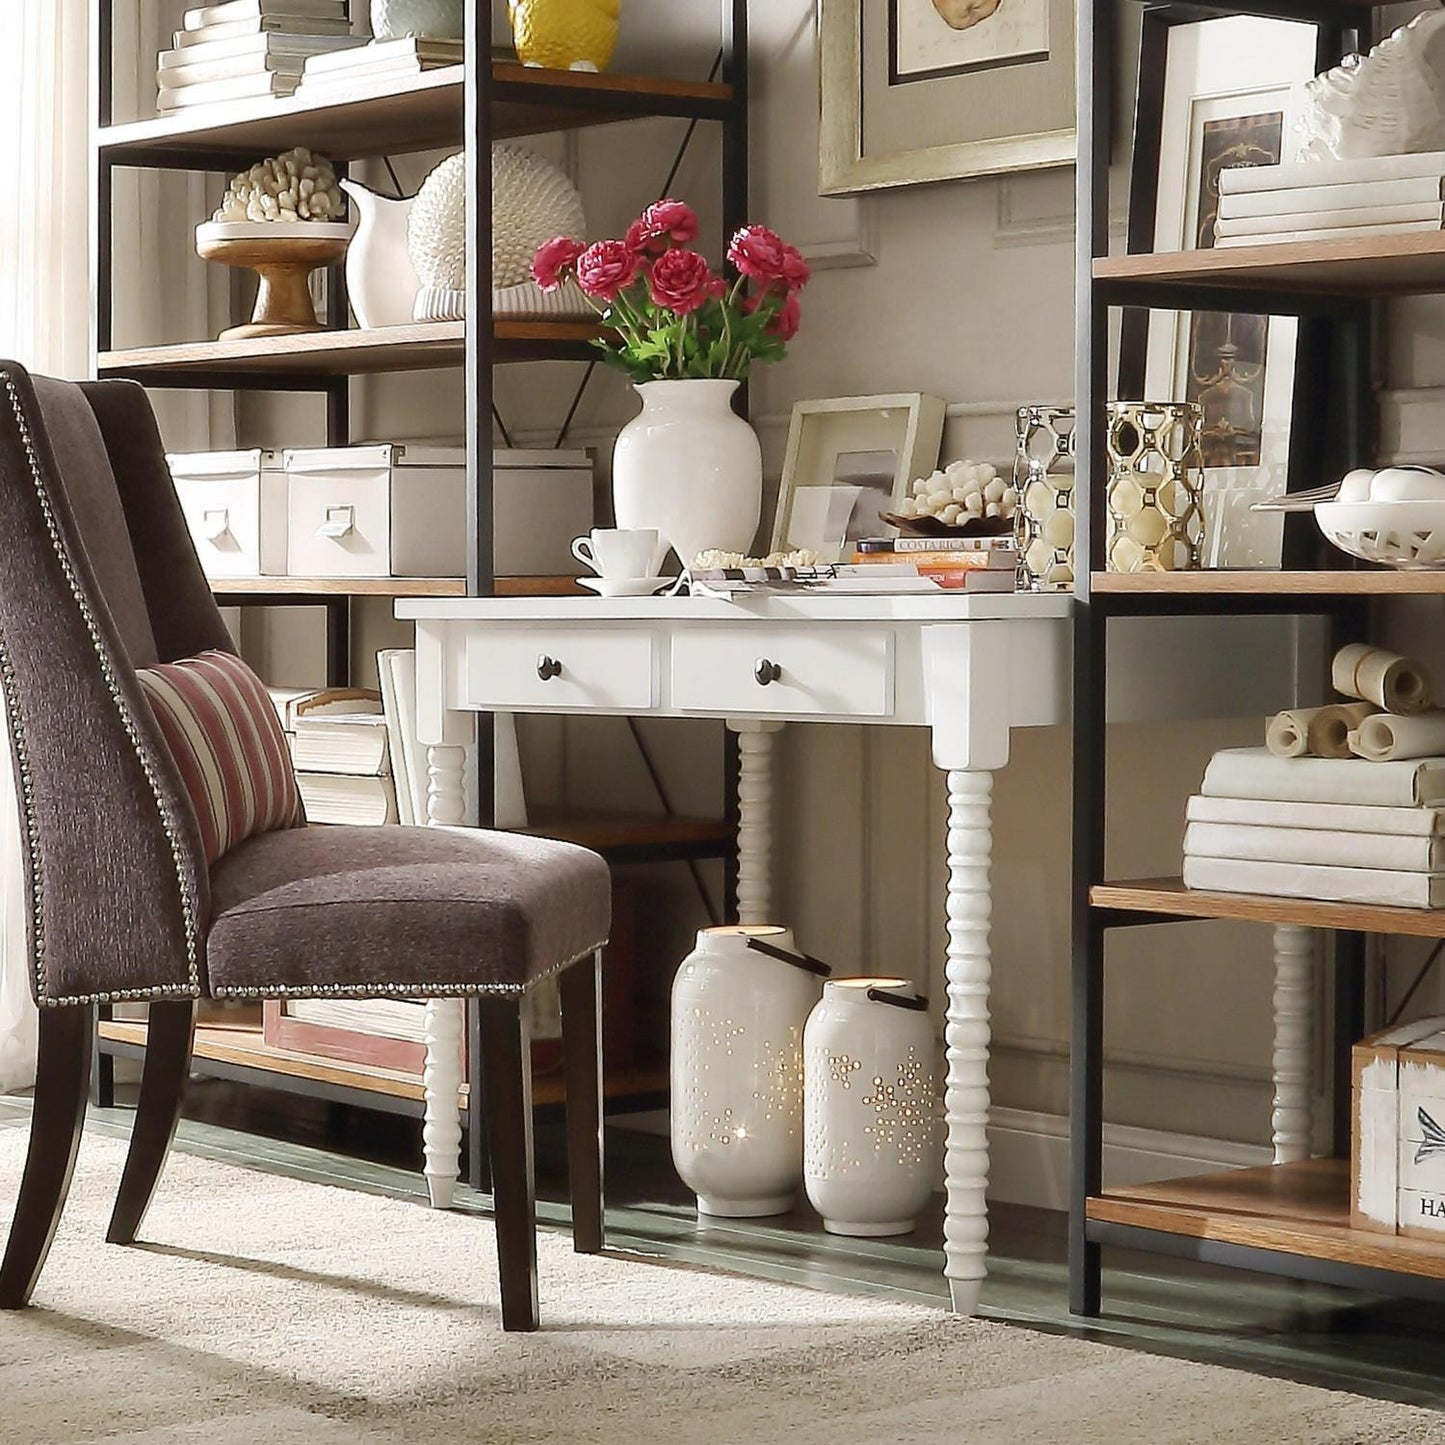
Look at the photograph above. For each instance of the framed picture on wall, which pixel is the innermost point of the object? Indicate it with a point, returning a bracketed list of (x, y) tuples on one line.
[(935, 90), (848, 460), (1231, 94)]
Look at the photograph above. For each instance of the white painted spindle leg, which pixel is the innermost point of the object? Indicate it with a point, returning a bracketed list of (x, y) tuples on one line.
[(446, 803), (1294, 1028), (970, 847), (755, 820)]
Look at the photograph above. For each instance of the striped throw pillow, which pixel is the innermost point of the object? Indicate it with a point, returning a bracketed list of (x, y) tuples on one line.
[(222, 730)]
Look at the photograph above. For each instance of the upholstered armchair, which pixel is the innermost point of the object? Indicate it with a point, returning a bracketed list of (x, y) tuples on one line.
[(101, 580)]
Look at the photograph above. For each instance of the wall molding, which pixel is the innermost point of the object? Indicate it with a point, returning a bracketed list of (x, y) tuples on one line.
[(859, 249), (1051, 229)]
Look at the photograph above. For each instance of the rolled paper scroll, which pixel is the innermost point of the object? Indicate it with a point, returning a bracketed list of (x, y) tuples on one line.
[(1319, 732), (1382, 738), (1386, 679)]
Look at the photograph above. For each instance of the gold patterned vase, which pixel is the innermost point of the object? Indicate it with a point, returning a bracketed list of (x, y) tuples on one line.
[(1156, 487), (1044, 478)]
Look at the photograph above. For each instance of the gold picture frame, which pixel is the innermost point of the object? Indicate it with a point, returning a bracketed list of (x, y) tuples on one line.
[(856, 64)]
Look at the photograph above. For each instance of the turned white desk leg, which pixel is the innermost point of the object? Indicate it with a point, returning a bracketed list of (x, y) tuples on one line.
[(446, 803), (1294, 1019), (970, 846), (755, 820)]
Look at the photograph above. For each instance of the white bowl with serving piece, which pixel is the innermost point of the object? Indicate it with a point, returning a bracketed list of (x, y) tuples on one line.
[(1395, 516)]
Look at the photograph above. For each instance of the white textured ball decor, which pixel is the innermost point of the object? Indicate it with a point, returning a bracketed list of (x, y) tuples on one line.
[(434, 19), (296, 186), (532, 201), (961, 492)]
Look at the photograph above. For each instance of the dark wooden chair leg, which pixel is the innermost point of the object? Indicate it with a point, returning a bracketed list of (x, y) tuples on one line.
[(581, 991), (507, 1064), (61, 1080), (163, 1086)]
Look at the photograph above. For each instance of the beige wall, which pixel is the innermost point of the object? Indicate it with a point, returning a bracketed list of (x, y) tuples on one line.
[(964, 291)]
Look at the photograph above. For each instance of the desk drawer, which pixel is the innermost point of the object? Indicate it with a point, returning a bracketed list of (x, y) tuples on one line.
[(560, 667), (843, 672)]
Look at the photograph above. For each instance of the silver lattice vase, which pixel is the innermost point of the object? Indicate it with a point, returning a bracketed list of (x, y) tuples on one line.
[(1044, 478), (1156, 486)]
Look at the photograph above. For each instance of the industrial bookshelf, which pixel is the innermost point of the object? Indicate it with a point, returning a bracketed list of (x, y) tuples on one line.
[(467, 106), (1290, 1218)]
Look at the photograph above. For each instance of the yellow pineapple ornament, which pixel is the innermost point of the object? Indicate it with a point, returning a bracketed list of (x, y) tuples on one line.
[(565, 34)]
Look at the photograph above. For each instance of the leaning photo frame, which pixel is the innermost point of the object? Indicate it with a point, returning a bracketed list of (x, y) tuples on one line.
[(849, 459), (1231, 92)]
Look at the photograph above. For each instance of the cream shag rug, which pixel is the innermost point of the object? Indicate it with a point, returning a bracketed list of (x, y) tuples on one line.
[(292, 1313)]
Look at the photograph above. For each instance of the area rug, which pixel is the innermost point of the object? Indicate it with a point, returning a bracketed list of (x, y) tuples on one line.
[(266, 1309)]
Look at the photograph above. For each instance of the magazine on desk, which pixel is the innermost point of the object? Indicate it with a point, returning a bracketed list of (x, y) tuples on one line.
[(846, 579)]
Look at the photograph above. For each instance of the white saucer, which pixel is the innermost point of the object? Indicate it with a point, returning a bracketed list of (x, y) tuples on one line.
[(625, 586)]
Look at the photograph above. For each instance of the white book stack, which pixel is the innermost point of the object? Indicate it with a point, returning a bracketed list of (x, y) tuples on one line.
[(1330, 200), (1340, 829), (241, 49), (341, 751), (343, 75)]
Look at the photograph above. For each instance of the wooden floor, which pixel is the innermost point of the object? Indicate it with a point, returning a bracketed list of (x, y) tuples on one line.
[(1335, 1338)]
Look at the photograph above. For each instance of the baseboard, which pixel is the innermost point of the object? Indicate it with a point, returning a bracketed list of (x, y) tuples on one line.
[(1028, 1154)]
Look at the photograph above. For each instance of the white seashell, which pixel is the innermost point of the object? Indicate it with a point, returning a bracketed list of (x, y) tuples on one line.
[(1389, 102)]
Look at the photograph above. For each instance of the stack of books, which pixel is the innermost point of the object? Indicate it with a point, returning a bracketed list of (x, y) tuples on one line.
[(240, 49), (341, 751), (1341, 829), (343, 74), (1329, 200)]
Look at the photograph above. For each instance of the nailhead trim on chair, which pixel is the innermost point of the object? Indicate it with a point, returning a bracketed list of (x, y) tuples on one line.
[(192, 986), (403, 990)]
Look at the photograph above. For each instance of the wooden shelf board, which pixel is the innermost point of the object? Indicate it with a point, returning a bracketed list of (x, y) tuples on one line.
[(1301, 1209), (632, 833), (340, 586), (1395, 265), (420, 346), (1272, 583), (1169, 896), (419, 112), (244, 1048)]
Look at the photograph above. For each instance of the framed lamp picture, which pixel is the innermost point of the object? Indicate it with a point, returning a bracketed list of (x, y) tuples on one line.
[(1231, 94), (936, 90), (849, 459)]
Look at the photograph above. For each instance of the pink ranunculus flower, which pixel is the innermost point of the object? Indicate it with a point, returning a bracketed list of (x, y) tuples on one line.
[(554, 261), (605, 268), (795, 269), (784, 324), (759, 253), (663, 224), (681, 281)]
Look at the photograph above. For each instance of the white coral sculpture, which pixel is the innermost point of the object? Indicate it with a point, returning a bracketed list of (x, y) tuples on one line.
[(296, 186)]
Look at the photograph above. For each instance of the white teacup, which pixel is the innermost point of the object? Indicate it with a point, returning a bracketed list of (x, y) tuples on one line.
[(619, 553)]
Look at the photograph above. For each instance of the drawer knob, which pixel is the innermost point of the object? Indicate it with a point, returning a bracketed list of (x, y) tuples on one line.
[(548, 667), (766, 671)]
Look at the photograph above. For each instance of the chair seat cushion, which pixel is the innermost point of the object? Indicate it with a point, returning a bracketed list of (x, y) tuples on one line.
[(362, 912)]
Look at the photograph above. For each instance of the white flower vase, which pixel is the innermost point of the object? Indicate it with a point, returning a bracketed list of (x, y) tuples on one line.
[(737, 1076), (870, 1113), (691, 467), (381, 282)]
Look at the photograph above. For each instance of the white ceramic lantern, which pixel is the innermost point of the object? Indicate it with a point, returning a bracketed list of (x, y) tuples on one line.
[(737, 1070), (870, 1130)]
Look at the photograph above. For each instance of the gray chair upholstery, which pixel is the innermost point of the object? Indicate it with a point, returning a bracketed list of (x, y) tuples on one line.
[(102, 578)]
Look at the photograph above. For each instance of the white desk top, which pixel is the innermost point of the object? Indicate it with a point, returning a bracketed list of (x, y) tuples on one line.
[(944, 607)]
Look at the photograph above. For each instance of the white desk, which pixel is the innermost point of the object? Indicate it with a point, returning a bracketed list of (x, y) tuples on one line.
[(968, 668)]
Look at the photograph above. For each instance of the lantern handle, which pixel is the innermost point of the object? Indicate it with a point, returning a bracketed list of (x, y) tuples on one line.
[(804, 961), (918, 1001)]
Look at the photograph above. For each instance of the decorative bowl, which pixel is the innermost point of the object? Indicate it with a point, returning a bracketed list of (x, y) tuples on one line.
[(283, 254), (1408, 535)]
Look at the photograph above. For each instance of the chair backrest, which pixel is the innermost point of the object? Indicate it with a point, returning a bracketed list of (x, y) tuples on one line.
[(99, 577)]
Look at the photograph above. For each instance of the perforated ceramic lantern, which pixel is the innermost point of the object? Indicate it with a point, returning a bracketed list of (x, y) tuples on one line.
[(1156, 486), (870, 1131), (1044, 480), (737, 1069)]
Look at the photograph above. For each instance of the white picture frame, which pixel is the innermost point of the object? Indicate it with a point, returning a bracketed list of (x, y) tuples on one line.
[(848, 459), (1218, 71), (881, 125)]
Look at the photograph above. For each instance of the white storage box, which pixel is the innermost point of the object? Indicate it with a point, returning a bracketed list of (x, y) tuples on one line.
[(541, 500), (235, 506), (377, 511)]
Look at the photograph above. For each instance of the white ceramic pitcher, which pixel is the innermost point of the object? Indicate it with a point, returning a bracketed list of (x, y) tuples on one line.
[(380, 279)]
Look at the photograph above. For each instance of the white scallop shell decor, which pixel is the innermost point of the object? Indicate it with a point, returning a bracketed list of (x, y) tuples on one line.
[(532, 201), (1389, 102)]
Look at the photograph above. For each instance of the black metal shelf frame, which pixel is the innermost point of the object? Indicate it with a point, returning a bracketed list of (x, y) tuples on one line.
[(1334, 362), (481, 89)]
